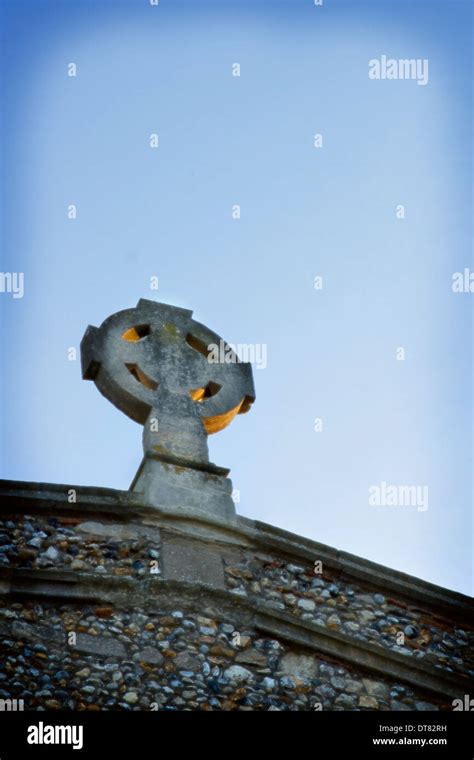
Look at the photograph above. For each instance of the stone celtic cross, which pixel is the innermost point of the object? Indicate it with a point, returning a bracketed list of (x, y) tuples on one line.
[(154, 362)]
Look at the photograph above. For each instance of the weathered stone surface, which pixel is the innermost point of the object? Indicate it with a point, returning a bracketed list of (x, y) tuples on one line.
[(375, 688), (299, 665), (308, 605), (345, 701), (353, 687), (99, 646), (368, 702), (187, 661), (179, 489), (110, 530), (221, 650), (252, 657), (237, 675), (150, 655), (395, 706), (36, 633), (187, 561)]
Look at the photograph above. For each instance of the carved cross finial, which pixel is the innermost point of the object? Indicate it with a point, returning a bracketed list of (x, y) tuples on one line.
[(154, 363)]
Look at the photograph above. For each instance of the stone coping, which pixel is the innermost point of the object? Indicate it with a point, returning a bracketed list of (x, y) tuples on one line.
[(68, 587), (125, 506)]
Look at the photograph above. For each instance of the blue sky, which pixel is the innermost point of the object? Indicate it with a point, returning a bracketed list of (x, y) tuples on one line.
[(305, 212)]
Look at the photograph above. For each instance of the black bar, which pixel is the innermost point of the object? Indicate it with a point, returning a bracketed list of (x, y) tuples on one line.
[(138, 734)]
